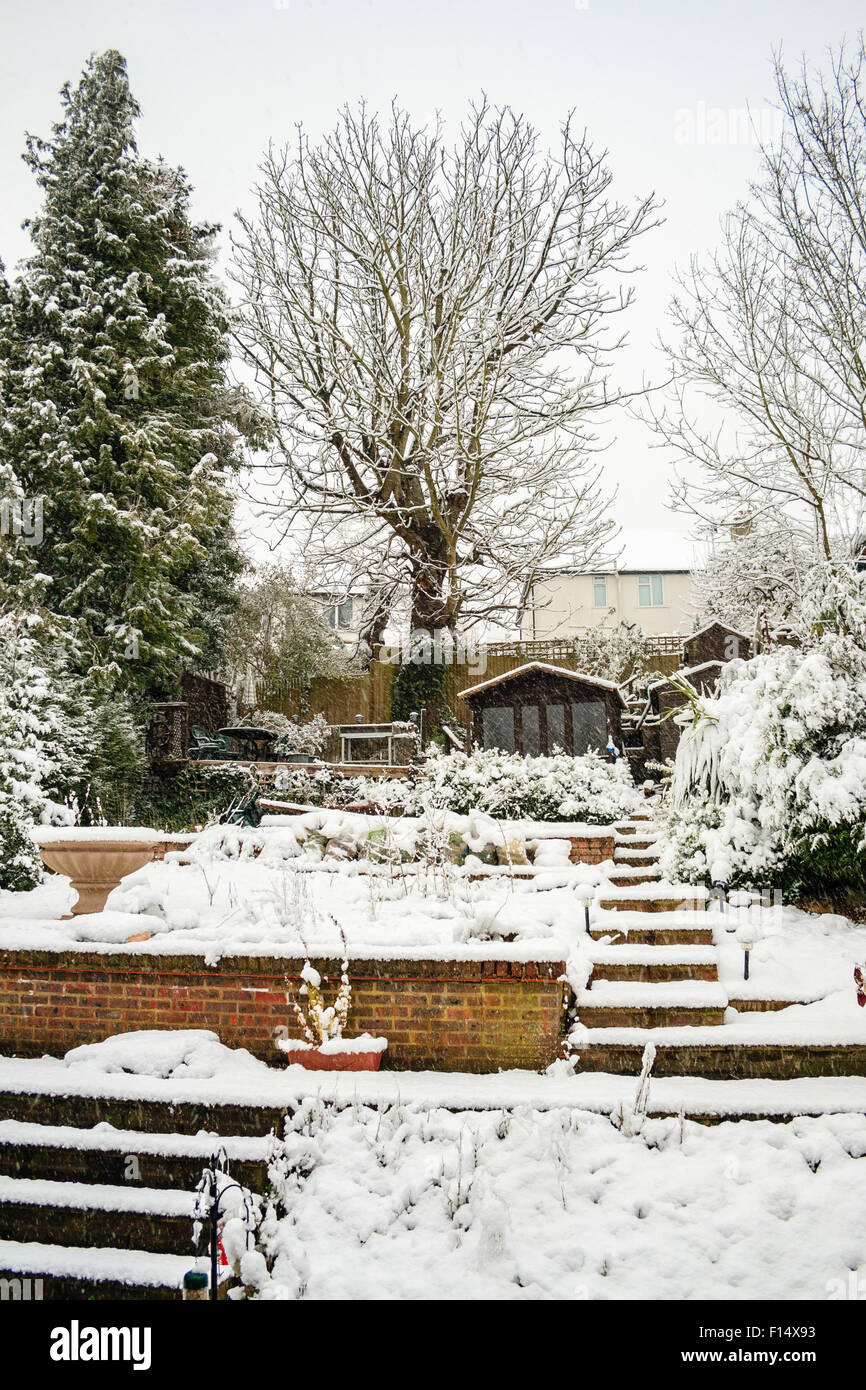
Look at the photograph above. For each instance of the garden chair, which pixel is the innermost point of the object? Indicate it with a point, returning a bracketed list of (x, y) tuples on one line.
[(203, 745), (246, 813)]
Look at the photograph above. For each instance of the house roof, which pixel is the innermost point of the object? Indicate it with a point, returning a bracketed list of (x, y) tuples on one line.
[(640, 552), (548, 669)]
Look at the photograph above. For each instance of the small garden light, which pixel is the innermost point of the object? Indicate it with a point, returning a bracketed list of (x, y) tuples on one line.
[(747, 936), (584, 892)]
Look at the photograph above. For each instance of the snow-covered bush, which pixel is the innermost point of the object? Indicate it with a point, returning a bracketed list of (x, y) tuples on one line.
[(770, 774), (587, 788), (304, 738), (614, 653), (505, 785)]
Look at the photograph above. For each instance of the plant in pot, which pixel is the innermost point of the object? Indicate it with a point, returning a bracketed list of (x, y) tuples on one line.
[(323, 1047), (303, 742)]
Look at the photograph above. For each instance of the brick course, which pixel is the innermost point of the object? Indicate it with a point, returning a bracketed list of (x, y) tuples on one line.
[(472, 1016), (591, 849)]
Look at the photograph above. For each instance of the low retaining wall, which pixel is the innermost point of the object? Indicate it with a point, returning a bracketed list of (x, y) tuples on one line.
[(450, 1015)]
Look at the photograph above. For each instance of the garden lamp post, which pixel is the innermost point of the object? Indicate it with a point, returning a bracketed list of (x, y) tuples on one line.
[(209, 1198)]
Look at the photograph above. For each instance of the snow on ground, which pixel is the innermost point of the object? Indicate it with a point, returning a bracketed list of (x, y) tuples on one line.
[(398, 1191), (563, 1205)]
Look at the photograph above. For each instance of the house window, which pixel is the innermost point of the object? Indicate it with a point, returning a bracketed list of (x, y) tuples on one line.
[(589, 725), (337, 615), (650, 591), (599, 592), (530, 731), (497, 724), (555, 727)]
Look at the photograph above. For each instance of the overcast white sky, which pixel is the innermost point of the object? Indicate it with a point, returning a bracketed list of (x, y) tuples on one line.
[(216, 79)]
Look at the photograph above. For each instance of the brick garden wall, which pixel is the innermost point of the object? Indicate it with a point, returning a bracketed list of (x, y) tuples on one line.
[(474, 1016)]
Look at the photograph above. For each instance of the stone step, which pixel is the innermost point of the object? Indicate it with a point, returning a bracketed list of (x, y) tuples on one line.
[(92, 1215), (640, 858), (124, 1158), (66, 1272), (638, 845), (677, 897), (653, 963), (627, 1004), (164, 1117), (721, 1061), (634, 825), (631, 880), (669, 933)]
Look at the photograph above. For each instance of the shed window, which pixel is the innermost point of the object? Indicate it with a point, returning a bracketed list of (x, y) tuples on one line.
[(497, 723), (589, 725), (531, 739), (599, 592), (555, 727)]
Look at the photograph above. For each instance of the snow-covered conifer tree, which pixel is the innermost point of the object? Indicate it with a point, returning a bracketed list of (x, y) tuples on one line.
[(118, 414)]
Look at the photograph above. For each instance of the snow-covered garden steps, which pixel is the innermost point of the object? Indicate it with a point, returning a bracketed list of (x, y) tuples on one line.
[(104, 1154), (157, 1220), (654, 963), (124, 1231), (104, 1273), (620, 1051), (661, 929), (643, 858), (654, 897), (671, 1004)]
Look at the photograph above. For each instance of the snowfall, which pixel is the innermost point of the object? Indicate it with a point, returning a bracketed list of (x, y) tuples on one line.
[(566, 1185)]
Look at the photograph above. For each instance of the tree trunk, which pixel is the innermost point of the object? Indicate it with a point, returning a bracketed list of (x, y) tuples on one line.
[(434, 606)]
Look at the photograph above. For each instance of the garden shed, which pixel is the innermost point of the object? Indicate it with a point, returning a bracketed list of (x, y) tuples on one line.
[(716, 642), (537, 707)]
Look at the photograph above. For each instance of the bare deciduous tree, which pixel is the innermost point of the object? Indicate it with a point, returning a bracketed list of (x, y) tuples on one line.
[(431, 328), (773, 328)]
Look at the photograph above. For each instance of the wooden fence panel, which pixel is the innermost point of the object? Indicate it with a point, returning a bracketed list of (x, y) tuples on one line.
[(369, 694)]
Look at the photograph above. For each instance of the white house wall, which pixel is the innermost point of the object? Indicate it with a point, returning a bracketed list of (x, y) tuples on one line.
[(563, 605)]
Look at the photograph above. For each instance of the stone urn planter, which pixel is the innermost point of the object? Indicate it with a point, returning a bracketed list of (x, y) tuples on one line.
[(363, 1053), (95, 858)]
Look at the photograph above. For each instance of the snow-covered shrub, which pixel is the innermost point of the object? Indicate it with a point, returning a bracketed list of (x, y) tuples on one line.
[(504, 785), (304, 738), (320, 1022), (770, 774), (614, 653), (557, 788)]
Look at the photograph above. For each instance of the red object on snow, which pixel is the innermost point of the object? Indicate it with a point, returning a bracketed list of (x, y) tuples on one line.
[(860, 981), (314, 1059)]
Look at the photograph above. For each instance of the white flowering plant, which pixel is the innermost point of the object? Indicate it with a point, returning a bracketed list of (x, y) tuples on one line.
[(321, 1022)]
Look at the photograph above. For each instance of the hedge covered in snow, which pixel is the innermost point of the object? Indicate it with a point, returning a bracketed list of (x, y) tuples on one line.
[(504, 785)]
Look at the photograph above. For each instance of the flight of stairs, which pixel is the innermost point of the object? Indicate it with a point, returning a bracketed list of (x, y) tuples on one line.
[(664, 975), (103, 1213)]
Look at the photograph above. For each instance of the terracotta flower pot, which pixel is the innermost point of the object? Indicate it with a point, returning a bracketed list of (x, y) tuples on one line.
[(96, 866), (329, 1058)]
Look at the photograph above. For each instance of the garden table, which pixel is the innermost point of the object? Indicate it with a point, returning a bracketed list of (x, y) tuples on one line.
[(255, 743)]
